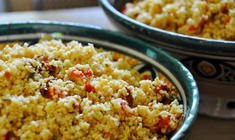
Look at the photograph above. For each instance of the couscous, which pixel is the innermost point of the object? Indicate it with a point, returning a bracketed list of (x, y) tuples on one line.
[(56, 90), (214, 19)]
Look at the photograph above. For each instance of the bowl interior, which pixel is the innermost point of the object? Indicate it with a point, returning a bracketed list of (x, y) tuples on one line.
[(150, 56)]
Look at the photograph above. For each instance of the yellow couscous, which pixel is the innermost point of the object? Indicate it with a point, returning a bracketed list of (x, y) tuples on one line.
[(56, 90), (214, 19)]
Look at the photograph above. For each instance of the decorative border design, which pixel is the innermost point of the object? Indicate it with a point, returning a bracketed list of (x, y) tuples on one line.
[(211, 70)]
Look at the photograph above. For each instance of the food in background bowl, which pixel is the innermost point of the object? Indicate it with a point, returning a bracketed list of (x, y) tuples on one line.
[(214, 19), (62, 90)]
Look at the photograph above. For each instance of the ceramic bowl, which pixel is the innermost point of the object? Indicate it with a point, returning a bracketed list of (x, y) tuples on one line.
[(212, 62), (155, 58)]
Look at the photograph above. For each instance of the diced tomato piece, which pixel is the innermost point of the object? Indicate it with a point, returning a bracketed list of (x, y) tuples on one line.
[(165, 87), (7, 75), (123, 10), (106, 135), (227, 20), (203, 22), (89, 87), (146, 77), (51, 92), (162, 123), (88, 73), (60, 94), (76, 74), (191, 28), (80, 74)]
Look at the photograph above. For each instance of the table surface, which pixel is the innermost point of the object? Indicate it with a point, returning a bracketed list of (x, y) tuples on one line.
[(205, 128)]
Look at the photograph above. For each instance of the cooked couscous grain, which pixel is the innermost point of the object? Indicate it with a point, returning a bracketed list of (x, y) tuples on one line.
[(55, 90), (214, 19)]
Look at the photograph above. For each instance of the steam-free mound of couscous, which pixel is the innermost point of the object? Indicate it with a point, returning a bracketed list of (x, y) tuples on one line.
[(55, 90), (214, 19)]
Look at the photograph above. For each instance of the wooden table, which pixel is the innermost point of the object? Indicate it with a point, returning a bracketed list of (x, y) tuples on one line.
[(205, 128)]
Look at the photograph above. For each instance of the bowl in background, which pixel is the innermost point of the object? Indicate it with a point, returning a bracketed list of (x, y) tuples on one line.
[(212, 62), (156, 58)]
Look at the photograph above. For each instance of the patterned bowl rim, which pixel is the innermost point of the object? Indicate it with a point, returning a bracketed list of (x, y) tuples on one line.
[(167, 63), (170, 39)]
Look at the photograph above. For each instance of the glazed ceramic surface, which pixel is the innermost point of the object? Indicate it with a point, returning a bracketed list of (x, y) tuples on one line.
[(212, 62), (154, 60)]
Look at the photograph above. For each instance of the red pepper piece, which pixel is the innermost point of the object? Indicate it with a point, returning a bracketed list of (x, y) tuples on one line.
[(191, 28), (162, 123), (165, 87), (106, 135), (88, 73), (89, 87), (123, 10), (7, 75), (227, 20)]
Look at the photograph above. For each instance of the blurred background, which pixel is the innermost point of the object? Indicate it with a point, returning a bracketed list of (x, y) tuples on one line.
[(28, 5)]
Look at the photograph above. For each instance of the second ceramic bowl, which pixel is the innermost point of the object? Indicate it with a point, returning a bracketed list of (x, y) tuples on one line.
[(212, 62)]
